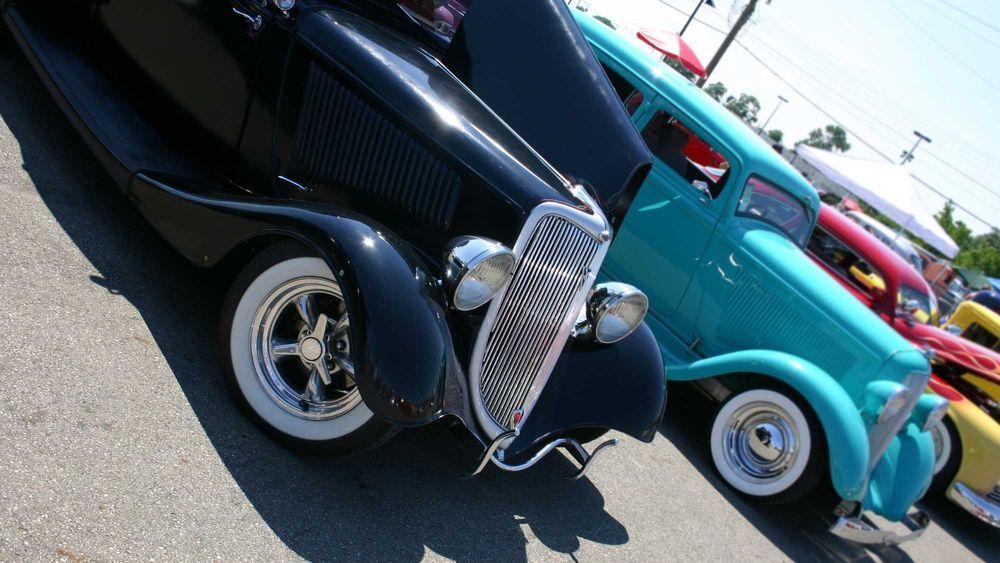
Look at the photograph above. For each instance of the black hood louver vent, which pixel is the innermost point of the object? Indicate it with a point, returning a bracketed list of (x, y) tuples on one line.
[(342, 143)]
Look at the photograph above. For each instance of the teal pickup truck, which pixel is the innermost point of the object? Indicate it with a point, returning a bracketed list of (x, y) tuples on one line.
[(811, 383)]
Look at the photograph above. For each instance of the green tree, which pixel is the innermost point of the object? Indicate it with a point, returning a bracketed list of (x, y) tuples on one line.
[(981, 252), (606, 22), (830, 138), (745, 107), (680, 68), (776, 135), (956, 229), (717, 90)]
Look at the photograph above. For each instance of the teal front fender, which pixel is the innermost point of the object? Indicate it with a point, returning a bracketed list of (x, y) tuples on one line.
[(903, 474), (846, 435)]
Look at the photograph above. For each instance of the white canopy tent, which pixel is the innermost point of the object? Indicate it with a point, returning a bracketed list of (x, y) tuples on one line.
[(886, 187)]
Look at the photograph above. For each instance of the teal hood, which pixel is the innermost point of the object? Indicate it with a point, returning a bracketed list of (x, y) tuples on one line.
[(767, 294)]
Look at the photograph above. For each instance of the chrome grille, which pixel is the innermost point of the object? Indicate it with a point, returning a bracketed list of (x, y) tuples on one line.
[(539, 302)]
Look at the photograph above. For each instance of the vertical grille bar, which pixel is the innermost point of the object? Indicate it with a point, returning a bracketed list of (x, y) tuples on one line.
[(551, 273)]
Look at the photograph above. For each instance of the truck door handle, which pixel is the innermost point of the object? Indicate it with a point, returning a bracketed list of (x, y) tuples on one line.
[(255, 22)]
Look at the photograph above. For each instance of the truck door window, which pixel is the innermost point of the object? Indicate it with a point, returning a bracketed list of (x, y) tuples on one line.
[(695, 161), (981, 336), (630, 96)]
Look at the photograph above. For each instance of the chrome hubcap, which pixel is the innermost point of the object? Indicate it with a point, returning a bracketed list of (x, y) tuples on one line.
[(761, 442), (301, 347)]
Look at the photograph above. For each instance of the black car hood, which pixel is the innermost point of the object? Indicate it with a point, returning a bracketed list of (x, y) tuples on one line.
[(529, 61)]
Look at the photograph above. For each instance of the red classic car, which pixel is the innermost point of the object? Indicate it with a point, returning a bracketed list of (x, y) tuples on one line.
[(967, 442)]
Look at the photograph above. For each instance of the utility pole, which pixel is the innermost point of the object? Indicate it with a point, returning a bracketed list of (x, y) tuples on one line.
[(743, 19), (908, 155), (691, 17), (781, 100)]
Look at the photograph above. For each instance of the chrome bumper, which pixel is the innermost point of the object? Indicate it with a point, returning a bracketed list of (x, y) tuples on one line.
[(494, 453), (982, 508), (852, 528)]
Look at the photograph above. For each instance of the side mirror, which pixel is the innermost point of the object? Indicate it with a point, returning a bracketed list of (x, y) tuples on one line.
[(953, 329)]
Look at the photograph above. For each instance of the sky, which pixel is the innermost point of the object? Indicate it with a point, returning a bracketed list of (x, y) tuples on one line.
[(880, 68)]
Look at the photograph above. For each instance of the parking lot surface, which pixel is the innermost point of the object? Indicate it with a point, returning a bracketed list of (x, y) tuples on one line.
[(118, 439)]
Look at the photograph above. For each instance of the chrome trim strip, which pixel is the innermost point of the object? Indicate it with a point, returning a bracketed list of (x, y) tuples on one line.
[(982, 508), (596, 225), (576, 450)]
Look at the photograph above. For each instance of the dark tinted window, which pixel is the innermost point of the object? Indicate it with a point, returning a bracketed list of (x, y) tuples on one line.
[(981, 336), (684, 152), (630, 96)]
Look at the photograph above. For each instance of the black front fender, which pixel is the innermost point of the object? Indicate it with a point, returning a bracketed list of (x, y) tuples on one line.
[(621, 387), (403, 347)]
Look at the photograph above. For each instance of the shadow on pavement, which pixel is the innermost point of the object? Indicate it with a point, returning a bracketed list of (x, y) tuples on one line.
[(800, 529), (396, 502)]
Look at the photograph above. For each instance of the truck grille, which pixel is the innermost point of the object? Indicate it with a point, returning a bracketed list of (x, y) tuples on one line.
[(534, 310)]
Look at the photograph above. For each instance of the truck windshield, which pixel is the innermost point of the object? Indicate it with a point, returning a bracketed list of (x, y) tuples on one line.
[(917, 302), (439, 16), (766, 202)]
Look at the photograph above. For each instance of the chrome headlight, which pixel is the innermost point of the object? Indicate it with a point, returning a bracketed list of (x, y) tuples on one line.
[(615, 310), (476, 269), (892, 405), (935, 416)]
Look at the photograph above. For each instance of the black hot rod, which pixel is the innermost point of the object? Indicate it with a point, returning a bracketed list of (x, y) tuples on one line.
[(421, 193)]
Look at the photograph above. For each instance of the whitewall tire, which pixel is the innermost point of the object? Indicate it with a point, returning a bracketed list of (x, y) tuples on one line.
[(286, 338), (766, 445)]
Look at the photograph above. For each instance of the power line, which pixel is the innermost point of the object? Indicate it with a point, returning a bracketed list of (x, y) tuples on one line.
[(876, 119), (701, 21), (970, 16), (878, 100), (958, 59), (960, 24), (856, 136)]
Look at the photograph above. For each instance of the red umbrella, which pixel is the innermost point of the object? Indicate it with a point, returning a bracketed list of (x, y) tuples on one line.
[(673, 46)]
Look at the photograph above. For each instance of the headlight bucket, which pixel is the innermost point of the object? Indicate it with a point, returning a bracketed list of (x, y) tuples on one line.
[(884, 399), (930, 409), (476, 270), (613, 311)]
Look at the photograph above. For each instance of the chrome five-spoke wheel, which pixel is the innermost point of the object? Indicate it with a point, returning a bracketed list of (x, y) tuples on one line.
[(762, 444), (302, 349), (288, 333)]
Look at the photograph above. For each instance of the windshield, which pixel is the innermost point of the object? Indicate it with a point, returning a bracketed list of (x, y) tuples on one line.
[(917, 302), (440, 16), (766, 202)]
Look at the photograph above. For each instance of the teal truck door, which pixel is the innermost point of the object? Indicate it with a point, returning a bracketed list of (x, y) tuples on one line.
[(673, 215)]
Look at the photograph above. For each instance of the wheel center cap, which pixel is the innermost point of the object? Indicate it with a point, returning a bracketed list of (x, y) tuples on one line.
[(311, 349)]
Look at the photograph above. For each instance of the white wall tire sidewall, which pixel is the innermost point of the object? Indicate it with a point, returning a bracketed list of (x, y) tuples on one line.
[(246, 376), (732, 475), (940, 461)]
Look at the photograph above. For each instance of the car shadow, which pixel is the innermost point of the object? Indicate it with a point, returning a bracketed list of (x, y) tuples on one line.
[(800, 529), (394, 503)]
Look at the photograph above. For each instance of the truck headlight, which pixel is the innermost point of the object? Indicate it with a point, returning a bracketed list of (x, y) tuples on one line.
[(615, 310), (892, 405), (476, 269)]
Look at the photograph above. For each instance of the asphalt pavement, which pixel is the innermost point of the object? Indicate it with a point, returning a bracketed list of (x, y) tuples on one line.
[(118, 440)]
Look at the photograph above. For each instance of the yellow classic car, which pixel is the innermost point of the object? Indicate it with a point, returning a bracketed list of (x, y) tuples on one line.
[(967, 440)]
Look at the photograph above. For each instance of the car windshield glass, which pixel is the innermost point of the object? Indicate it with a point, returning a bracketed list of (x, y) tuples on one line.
[(440, 16), (916, 302), (845, 262), (766, 202)]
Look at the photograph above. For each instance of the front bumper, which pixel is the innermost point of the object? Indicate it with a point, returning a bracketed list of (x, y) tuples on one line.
[(983, 508), (853, 528)]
